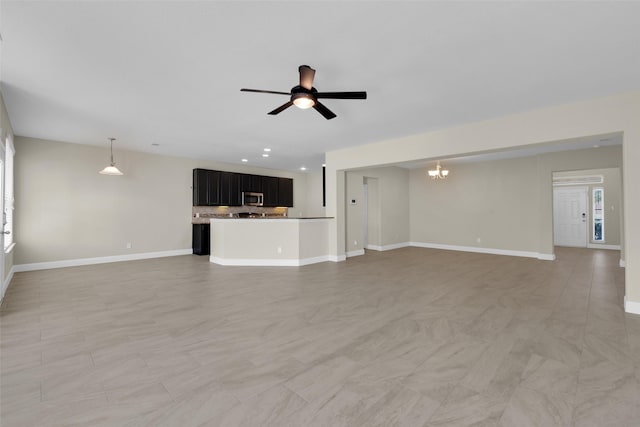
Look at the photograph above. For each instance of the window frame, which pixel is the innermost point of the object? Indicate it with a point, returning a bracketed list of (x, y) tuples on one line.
[(8, 193), (597, 215)]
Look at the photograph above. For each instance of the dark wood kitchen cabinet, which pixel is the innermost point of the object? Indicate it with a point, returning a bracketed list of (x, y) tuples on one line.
[(245, 182), (230, 194), (200, 239), (219, 188), (270, 190), (236, 189), (257, 183), (285, 192), (206, 187)]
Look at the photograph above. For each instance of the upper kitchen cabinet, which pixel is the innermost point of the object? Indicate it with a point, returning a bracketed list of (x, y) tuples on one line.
[(257, 184), (270, 190), (206, 187), (230, 194), (245, 182), (285, 192), (218, 188)]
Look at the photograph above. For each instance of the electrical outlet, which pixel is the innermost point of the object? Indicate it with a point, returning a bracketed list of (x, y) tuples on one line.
[(128, 245), (479, 240), (355, 243), (279, 249)]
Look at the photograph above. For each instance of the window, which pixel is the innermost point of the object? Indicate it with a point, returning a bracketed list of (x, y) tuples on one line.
[(8, 193), (598, 215)]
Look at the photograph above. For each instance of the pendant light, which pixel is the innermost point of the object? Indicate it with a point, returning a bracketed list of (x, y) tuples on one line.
[(111, 169)]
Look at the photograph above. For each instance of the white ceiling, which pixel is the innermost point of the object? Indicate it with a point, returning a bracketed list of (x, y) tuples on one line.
[(170, 73)]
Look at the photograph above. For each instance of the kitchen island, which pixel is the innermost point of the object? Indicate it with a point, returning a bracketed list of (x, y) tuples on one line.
[(269, 241)]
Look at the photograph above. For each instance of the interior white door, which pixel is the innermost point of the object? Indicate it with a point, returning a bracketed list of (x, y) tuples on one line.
[(570, 216)]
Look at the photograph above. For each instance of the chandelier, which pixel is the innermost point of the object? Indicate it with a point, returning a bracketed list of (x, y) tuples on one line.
[(438, 172)]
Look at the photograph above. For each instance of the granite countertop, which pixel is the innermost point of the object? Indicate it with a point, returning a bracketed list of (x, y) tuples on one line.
[(271, 217), (205, 219)]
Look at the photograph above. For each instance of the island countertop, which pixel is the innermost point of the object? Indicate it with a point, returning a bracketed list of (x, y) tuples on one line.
[(269, 218)]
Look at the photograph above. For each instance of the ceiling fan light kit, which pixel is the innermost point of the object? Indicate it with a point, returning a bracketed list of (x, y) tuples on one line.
[(306, 96), (303, 100)]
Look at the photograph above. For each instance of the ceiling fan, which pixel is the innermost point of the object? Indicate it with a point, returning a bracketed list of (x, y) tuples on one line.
[(306, 96)]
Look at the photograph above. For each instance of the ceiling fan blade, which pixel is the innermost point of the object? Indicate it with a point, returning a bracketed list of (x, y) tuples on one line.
[(320, 108), (281, 108), (306, 76), (342, 95), (265, 91)]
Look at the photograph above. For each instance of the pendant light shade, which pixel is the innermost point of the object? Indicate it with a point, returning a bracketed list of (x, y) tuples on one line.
[(111, 169)]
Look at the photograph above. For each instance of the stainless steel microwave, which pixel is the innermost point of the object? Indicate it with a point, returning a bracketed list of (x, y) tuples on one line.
[(252, 199)]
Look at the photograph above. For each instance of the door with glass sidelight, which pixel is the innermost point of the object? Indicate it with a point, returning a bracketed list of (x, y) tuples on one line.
[(570, 216)]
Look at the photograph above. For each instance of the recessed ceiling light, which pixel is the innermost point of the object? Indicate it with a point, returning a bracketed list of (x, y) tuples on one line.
[(265, 155), (596, 146), (267, 149), (303, 168), (244, 160)]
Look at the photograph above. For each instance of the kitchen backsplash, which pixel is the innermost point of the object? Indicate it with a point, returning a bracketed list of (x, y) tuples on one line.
[(202, 214)]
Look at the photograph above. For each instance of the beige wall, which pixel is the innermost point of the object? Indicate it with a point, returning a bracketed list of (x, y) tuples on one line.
[(599, 116), (495, 202), (374, 237), (313, 196), (392, 200), (612, 201), (499, 202), (65, 210)]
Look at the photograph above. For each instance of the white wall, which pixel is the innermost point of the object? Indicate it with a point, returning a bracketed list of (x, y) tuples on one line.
[(600, 116), (65, 210)]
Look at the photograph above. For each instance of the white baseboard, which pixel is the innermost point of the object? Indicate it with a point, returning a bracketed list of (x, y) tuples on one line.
[(389, 247), (337, 258), (631, 306), (98, 260), (258, 262), (5, 283), (527, 254), (357, 252), (603, 246), (623, 264)]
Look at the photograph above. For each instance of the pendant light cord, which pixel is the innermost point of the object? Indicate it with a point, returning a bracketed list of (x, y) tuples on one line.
[(112, 162)]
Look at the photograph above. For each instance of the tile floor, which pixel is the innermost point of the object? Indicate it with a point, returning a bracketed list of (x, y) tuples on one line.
[(410, 337)]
